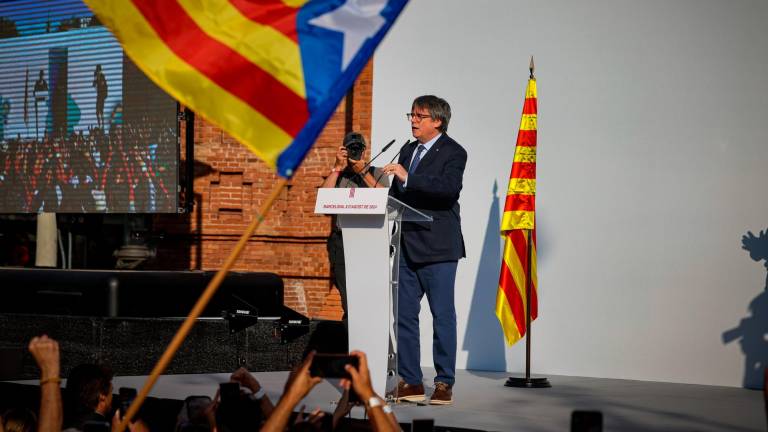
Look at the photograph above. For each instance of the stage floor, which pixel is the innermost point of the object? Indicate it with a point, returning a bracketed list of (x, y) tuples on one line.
[(482, 402)]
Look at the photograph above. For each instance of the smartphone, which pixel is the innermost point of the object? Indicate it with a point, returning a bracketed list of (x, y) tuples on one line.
[(126, 395), (332, 365), (586, 421), (229, 392)]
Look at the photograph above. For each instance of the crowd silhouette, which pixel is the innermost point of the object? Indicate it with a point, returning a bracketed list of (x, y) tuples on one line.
[(132, 168), (87, 402)]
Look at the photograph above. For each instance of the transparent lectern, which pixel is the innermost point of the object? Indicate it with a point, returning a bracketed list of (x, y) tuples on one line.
[(370, 221)]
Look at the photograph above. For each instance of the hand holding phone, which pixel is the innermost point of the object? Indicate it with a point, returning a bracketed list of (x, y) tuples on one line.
[(126, 395), (332, 365), (230, 392)]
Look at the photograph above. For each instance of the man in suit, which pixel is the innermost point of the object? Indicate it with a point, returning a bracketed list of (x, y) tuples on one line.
[(428, 177)]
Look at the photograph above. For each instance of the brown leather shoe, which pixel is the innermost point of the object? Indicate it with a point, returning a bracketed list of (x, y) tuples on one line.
[(409, 392), (443, 394)]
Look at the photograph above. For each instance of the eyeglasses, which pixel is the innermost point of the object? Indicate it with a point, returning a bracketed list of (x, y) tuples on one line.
[(420, 117)]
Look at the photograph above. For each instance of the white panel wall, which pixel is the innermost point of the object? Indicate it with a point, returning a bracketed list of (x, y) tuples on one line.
[(653, 149)]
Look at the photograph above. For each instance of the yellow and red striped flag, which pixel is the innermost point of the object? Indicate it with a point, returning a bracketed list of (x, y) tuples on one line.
[(268, 72), (518, 228)]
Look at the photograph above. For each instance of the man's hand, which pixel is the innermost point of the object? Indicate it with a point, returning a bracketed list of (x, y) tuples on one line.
[(46, 353), (342, 158), (245, 378), (313, 419), (137, 426), (357, 166), (301, 382), (361, 377), (397, 170)]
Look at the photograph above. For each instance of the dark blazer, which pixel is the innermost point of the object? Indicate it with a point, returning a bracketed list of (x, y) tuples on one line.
[(434, 190)]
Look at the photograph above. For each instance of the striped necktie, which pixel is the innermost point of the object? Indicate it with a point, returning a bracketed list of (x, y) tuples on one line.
[(417, 159)]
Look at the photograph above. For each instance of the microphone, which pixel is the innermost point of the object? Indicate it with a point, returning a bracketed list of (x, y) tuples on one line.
[(408, 141), (386, 147)]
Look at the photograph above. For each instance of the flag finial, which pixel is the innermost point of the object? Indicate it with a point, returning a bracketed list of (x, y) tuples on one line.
[(531, 68)]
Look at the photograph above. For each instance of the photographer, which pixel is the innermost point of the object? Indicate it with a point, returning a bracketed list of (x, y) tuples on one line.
[(347, 172)]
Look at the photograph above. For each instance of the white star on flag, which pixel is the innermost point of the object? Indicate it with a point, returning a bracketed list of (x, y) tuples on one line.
[(358, 20)]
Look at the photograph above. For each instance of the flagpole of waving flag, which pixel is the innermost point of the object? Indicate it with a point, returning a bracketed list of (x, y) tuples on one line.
[(516, 301), (277, 112), (199, 307)]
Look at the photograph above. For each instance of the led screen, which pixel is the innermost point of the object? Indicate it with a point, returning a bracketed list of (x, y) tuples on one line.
[(81, 128)]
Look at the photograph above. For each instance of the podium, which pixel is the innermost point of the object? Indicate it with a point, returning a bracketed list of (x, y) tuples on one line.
[(370, 222)]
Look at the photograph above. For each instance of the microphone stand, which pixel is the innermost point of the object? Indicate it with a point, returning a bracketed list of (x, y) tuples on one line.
[(367, 165), (393, 158)]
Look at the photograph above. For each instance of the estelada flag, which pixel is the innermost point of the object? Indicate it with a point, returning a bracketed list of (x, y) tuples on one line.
[(268, 72), (519, 229)]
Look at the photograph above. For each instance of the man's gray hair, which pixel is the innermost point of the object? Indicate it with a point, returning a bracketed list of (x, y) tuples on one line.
[(438, 108)]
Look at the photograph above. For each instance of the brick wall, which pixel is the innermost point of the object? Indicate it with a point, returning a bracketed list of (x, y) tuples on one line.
[(231, 184)]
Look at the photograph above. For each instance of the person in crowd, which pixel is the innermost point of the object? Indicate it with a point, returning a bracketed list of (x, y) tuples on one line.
[(88, 395), (245, 379), (45, 351), (347, 172), (197, 414), (299, 384), (428, 176), (18, 420), (134, 426), (381, 417)]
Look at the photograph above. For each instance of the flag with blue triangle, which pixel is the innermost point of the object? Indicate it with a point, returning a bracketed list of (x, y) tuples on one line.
[(268, 72)]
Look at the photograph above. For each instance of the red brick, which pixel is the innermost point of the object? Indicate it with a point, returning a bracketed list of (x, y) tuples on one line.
[(291, 240)]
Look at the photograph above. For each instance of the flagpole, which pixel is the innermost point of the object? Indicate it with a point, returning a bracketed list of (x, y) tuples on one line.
[(528, 284), (528, 382), (202, 302)]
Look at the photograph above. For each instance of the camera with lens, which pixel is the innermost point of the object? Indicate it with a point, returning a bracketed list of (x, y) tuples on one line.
[(355, 145)]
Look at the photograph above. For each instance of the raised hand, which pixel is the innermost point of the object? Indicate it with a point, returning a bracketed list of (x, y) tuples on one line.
[(342, 158), (245, 378), (46, 353), (361, 377)]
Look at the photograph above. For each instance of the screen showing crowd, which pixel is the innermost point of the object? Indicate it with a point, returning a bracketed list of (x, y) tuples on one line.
[(81, 128)]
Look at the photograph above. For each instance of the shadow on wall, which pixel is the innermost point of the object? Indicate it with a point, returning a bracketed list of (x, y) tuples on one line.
[(753, 330), (484, 340)]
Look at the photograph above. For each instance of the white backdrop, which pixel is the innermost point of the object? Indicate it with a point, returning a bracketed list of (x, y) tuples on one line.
[(653, 146)]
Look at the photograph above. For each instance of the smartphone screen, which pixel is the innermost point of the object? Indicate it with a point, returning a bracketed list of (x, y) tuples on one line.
[(230, 392), (126, 395)]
